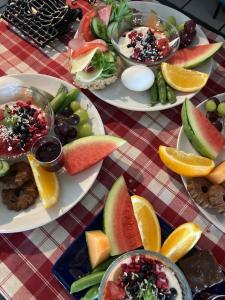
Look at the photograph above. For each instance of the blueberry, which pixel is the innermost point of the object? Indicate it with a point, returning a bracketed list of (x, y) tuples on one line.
[(16, 128), (145, 267), (172, 295)]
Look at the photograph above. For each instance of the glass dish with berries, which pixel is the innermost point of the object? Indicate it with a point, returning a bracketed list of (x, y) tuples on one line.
[(25, 116), (142, 274), (145, 39)]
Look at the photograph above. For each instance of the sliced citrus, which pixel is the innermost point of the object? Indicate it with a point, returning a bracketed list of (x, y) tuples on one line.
[(185, 164), (180, 241), (47, 183), (148, 223), (182, 79)]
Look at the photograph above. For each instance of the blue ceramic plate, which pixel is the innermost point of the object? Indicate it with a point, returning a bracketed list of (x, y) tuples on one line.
[(74, 262)]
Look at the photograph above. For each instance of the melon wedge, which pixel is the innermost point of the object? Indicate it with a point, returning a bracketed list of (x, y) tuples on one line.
[(205, 138), (119, 221), (194, 56), (98, 247), (85, 152)]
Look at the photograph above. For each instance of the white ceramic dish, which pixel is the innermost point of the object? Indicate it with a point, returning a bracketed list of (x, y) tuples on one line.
[(72, 188), (119, 96), (183, 144)]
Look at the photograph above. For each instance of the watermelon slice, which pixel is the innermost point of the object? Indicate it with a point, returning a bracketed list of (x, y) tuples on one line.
[(194, 56), (85, 152), (206, 139), (104, 14), (119, 221)]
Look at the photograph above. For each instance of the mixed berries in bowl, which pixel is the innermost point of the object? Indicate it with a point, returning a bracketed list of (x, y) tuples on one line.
[(24, 118), (142, 274), (145, 39)]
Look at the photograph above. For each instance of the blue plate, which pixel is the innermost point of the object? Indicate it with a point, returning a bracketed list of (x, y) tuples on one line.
[(74, 262)]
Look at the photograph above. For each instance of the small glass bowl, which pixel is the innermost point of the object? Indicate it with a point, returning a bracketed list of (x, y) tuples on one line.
[(139, 20), (126, 258), (13, 93)]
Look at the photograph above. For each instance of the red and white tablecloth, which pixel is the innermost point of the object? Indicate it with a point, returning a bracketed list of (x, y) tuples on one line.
[(26, 258)]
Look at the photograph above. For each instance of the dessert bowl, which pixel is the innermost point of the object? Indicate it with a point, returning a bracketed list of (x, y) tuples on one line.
[(140, 272), (145, 39), (25, 116)]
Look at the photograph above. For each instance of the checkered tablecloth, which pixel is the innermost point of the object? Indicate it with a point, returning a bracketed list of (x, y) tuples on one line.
[(26, 258)]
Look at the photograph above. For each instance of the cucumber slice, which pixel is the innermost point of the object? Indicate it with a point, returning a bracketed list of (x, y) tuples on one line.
[(88, 77), (111, 28), (109, 56), (4, 168), (99, 28)]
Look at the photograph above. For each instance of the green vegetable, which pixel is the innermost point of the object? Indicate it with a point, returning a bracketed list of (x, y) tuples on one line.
[(103, 266), (62, 88), (91, 294), (110, 28), (99, 28), (4, 167), (172, 20), (120, 10), (58, 101), (71, 96), (86, 282), (153, 93), (171, 96), (161, 85), (101, 61)]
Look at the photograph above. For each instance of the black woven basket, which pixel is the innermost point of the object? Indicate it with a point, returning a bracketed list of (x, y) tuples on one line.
[(40, 21)]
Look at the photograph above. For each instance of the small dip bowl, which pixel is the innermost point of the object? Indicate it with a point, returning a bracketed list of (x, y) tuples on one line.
[(124, 36), (135, 266), (25, 116)]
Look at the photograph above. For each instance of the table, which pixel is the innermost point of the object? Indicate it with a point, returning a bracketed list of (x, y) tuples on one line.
[(26, 258)]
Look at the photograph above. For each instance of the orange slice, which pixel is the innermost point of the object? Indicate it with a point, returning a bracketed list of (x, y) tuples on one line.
[(47, 183), (180, 241), (185, 164), (182, 79), (148, 223)]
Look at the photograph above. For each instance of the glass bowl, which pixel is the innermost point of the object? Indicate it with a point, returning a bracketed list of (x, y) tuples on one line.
[(114, 270), (162, 29), (39, 100)]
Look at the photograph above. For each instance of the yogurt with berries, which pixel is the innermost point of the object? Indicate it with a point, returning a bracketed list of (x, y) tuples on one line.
[(143, 277), (21, 124), (144, 45)]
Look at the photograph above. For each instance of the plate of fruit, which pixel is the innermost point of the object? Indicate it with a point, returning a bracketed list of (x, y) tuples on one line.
[(136, 52), (200, 156), (137, 259), (46, 167)]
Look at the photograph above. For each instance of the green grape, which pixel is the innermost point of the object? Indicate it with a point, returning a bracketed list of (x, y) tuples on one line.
[(74, 105), (180, 27), (210, 105), (221, 109), (82, 114), (84, 130)]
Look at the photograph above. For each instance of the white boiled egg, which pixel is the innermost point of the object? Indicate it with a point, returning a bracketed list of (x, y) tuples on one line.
[(138, 78)]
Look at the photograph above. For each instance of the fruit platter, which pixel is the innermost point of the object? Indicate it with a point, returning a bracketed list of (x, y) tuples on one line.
[(18, 211), (116, 264), (139, 69)]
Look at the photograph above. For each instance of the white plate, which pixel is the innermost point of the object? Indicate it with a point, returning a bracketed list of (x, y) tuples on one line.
[(72, 188), (119, 96), (183, 144)]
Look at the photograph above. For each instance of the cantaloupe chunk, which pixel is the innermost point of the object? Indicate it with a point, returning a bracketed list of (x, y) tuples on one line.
[(98, 246), (217, 176)]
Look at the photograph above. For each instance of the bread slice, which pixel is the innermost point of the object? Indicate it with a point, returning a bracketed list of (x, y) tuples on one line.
[(98, 84)]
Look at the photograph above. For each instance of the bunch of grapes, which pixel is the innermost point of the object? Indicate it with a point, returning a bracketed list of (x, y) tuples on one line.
[(187, 33), (215, 112), (72, 123)]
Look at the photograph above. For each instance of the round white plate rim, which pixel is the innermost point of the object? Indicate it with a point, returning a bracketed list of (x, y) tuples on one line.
[(145, 107), (209, 216), (97, 166)]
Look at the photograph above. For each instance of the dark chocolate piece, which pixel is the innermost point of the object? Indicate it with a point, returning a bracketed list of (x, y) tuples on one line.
[(201, 270)]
